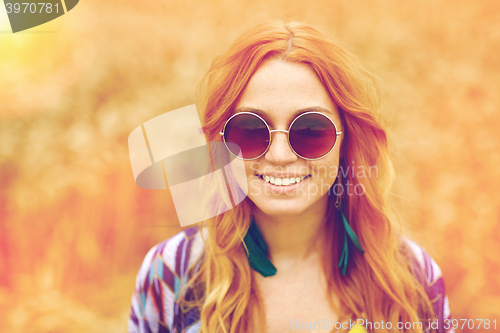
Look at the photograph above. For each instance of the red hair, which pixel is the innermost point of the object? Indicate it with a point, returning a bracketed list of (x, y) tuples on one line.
[(380, 285)]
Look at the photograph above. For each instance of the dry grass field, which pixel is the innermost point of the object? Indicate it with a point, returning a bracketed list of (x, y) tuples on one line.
[(74, 227)]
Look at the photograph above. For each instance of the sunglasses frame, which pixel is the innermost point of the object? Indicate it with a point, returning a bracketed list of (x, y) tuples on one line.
[(284, 131)]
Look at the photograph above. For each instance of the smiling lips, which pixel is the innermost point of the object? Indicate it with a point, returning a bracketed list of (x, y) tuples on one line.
[(282, 181)]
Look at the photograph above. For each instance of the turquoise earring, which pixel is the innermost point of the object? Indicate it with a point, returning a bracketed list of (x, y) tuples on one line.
[(257, 249), (257, 252), (344, 256)]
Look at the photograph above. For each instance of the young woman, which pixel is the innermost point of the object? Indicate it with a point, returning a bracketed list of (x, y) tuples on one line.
[(311, 246)]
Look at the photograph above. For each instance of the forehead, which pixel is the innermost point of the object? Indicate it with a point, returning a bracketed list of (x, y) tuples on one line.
[(279, 90)]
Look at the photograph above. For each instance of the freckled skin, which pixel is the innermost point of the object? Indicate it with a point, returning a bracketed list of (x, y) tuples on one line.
[(290, 222), (279, 89)]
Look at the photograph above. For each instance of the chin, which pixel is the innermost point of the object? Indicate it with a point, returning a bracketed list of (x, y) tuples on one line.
[(276, 208)]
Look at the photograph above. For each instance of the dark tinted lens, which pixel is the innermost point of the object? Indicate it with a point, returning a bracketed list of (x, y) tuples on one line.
[(312, 135), (249, 133)]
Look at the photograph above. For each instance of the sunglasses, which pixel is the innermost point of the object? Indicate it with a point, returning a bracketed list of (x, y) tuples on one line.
[(312, 135)]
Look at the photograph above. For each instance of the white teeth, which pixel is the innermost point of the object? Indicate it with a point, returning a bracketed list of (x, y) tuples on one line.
[(282, 181)]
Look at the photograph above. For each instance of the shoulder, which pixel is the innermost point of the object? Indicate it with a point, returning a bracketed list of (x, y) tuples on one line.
[(176, 254), (160, 278), (425, 261), (432, 278)]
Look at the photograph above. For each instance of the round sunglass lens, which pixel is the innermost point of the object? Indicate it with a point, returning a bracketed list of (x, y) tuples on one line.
[(313, 135), (249, 133)]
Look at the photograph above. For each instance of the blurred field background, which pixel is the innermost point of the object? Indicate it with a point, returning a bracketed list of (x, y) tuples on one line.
[(74, 227)]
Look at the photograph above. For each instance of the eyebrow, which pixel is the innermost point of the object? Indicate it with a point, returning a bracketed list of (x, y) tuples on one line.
[(298, 112)]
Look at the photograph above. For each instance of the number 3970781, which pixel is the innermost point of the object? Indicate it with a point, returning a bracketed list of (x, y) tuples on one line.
[(31, 7), (470, 324)]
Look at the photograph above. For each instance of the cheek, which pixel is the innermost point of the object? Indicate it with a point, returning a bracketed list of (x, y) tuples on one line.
[(325, 172), (251, 181), (236, 176), (328, 167), (251, 167)]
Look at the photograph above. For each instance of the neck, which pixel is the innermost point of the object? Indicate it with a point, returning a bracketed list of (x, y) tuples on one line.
[(296, 238)]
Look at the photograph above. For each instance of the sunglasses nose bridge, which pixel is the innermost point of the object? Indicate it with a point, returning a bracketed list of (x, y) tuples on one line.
[(279, 151), (285, 131)]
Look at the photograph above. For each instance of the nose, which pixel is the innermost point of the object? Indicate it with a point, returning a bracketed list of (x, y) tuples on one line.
[(280, 153)]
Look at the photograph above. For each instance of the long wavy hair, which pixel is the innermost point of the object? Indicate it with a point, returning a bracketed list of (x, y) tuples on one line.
[(380, 285)]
